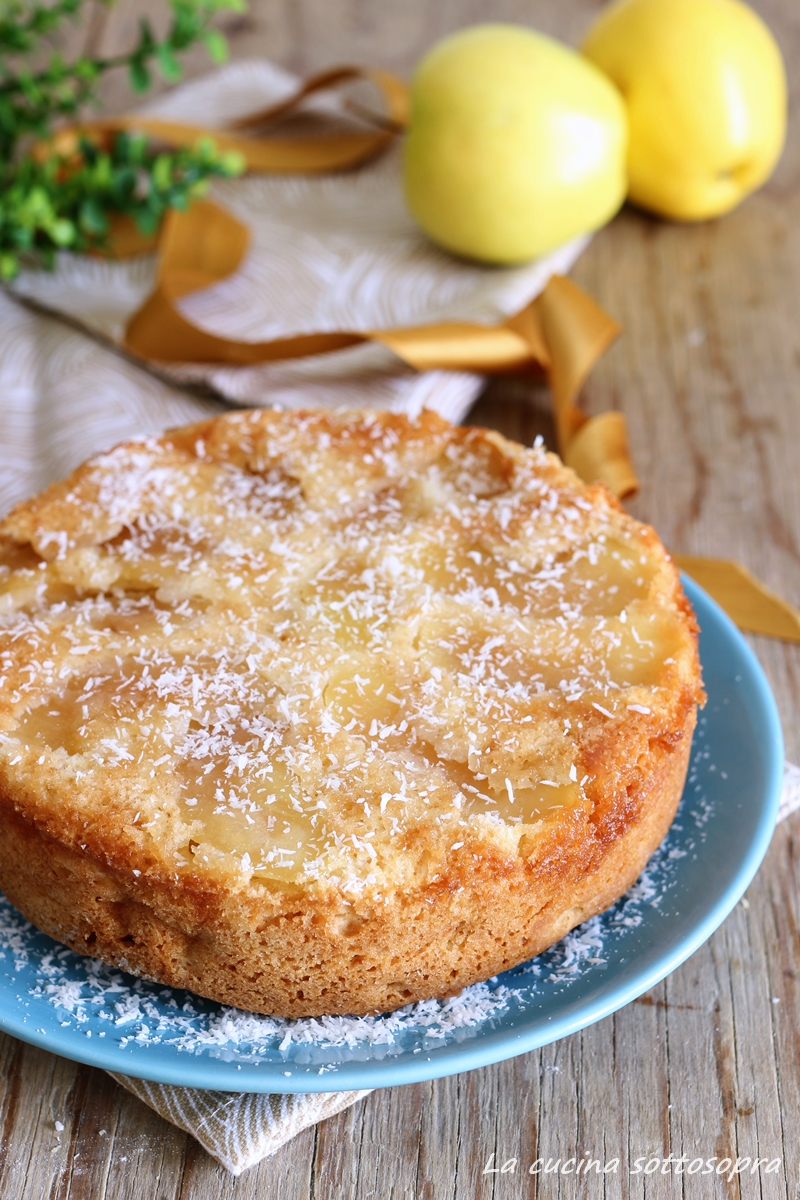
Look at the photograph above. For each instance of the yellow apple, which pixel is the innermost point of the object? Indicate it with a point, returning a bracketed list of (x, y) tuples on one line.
[(705, 88), (515, 144)]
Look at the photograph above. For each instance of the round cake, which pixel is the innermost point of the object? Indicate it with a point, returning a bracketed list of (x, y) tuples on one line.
[(330, 712)]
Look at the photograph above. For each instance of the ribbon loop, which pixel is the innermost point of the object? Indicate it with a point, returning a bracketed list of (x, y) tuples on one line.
[(198, 253), (599, 450), (314, 154), (393, 90), (560, 334)]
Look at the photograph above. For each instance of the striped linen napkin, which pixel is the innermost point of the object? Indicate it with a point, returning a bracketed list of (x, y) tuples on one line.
[(239, 1129)]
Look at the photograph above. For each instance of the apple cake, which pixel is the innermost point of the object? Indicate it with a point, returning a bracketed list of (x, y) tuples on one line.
[(330, 712)]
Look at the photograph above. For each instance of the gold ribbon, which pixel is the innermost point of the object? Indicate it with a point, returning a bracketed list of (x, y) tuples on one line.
[(313, 154), (561, 334), (748, 603)]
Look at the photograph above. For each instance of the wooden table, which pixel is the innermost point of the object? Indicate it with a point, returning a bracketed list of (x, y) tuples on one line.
[(708, 1063)]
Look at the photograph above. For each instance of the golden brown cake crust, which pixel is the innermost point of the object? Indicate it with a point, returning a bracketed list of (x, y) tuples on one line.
[(539, 655)]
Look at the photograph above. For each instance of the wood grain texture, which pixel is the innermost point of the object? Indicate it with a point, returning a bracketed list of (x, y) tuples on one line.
[(708, 1063)]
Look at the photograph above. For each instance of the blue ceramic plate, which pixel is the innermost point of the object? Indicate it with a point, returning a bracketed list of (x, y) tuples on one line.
[(79, 1008)]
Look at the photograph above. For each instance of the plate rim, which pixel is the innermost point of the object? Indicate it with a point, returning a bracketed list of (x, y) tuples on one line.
[(497, 1045)]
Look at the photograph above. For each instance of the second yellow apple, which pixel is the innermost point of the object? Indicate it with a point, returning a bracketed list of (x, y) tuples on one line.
[(516, 144), (705, 88)]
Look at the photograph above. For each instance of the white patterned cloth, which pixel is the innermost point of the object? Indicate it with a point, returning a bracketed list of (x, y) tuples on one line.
[(327, 252)]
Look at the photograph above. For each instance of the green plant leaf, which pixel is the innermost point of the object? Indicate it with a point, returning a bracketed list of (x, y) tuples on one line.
[(216, 45), (62, 232), (170, 67), (91, 218), (140, 76), (233, 163), (56, 202)]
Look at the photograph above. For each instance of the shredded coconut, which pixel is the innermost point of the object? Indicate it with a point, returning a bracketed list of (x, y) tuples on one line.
[(87, 994)]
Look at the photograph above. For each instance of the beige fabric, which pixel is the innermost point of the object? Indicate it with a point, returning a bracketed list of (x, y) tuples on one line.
[(239, 1129), (790, 797)]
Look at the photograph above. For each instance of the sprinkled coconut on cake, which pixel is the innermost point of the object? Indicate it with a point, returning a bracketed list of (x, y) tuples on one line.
[(321, 713)]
